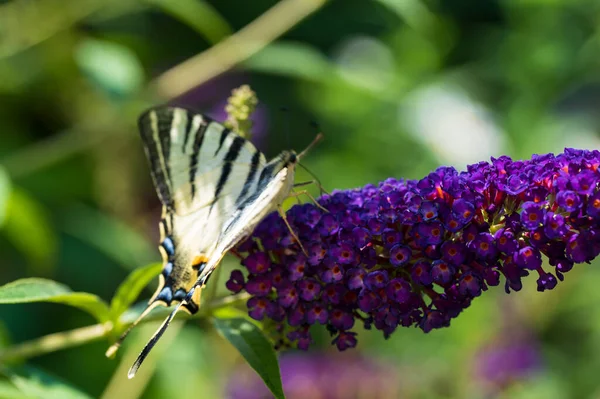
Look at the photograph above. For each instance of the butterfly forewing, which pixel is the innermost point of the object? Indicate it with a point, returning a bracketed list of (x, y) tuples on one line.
[(190, 153)]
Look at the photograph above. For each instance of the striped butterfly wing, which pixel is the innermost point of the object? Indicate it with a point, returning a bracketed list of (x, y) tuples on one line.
[(202, 172), (215, 188)]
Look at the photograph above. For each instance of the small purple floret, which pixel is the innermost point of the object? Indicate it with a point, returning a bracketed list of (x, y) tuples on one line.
[(236, 282), (532, 215), (257, 263), (399, 255)]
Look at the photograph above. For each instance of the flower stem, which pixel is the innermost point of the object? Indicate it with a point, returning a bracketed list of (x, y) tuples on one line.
[(236, 48), (56, 341), (79, 336)]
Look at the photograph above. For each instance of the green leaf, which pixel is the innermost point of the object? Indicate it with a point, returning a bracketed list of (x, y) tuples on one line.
[(29, 290), (38, 384), (113, 67), (5, 189), (233, 312), (9, 391), (199, 15), (28, 228), (129, 289), (249, 340)]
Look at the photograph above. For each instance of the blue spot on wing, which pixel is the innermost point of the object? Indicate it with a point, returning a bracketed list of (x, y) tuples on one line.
[(180, 294), (165, 295), (168, 245), (167, 269)]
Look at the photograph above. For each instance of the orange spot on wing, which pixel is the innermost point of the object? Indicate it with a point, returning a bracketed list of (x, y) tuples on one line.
[(199, 259)]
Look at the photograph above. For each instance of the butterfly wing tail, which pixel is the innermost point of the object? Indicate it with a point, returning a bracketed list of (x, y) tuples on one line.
[(159, 333)]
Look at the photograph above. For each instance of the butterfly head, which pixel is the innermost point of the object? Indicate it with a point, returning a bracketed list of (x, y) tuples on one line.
[(289, 158)]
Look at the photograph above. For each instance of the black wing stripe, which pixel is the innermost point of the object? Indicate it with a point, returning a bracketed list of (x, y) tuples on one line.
[(165, 120), (164, 135), (249, 178), (155, 152), (188, 129), (198, 139), (231, 156), (224, 134), (266, 176)]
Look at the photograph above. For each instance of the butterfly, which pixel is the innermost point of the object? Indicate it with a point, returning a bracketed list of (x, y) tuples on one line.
[(215, 188)]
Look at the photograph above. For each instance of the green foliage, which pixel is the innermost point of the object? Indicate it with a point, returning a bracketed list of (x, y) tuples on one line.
[(114, 68), (212, 26), (5, 189), (10, 391), (30, 290), (130, 288), (28, 226), (35, 383), (256, 349), (294, 60), (110, 236)]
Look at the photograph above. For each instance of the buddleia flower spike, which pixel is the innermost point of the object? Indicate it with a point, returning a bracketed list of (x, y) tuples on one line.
[(418, 252)]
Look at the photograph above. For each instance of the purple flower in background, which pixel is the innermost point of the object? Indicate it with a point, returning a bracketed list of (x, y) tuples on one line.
[(321, 376), (417, 252), (506, 361)]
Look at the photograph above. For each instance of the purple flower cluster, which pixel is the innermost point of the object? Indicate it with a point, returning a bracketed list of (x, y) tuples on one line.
[(410, 252)]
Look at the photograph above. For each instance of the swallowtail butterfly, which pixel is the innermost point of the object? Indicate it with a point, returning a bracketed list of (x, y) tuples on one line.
[(215, 188)]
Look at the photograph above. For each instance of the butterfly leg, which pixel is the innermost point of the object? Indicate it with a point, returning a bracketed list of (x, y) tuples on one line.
[(282, 214), (235, 253), (300, 185), (304, 183), (309, 195), (315, 182)]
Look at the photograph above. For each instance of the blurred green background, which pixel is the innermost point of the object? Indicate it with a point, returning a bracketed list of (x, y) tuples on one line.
[(398, 87)]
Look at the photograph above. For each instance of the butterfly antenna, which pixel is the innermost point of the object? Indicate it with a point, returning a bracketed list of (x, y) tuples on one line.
[(317, 180), (115, 347), (318, 138), (159, 333)]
